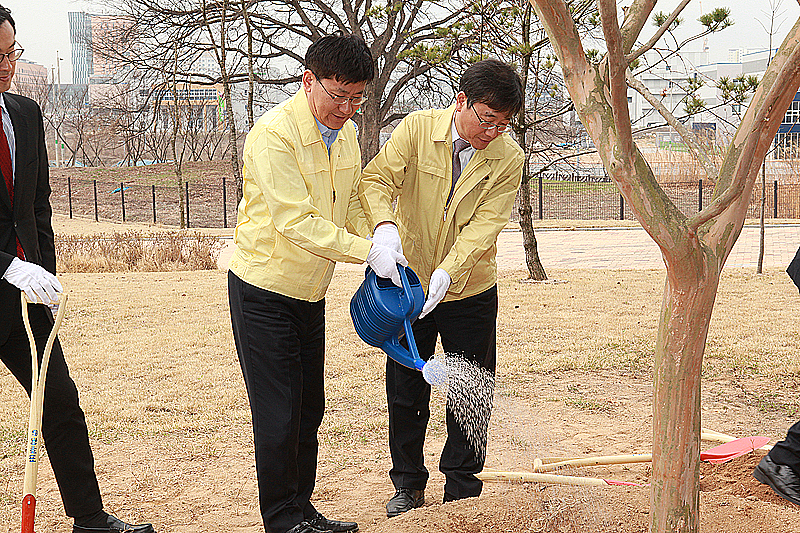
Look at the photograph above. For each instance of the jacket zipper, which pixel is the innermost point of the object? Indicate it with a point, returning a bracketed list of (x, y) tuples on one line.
[(447, 206)]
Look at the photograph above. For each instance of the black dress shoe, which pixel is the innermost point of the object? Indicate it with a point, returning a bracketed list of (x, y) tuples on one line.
[(115, 525), (320, 522), (305, 527), (783, 480), (404, 500)]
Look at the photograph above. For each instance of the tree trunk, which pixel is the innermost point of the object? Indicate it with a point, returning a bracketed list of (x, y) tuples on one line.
[(685, 315), (369, 129), (760, 267), (535, 268), (233, 138)]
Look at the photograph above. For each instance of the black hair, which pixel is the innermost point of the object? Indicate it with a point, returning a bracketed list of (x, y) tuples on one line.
[(345, 58), (493, 83), (5, 15)]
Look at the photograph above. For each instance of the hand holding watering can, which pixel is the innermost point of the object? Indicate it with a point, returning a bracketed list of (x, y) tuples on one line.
[(380, 311)]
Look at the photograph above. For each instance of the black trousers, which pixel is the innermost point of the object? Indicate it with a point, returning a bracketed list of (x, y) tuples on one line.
[(64, 429), (467, 327), (281, 347), (787, 452)]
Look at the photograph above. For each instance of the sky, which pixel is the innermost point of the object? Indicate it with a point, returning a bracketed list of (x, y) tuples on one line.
[(43, 29)]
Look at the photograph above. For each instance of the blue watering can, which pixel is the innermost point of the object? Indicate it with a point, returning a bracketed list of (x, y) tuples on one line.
[(381, 310)]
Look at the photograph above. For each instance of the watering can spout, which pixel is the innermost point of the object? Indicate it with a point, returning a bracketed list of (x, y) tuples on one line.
[(394, 350)]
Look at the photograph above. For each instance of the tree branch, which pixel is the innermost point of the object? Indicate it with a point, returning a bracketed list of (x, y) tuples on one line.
[(660, 33), (691, 141), (759, 125), (564, 37), (617, 66), (635, 19)]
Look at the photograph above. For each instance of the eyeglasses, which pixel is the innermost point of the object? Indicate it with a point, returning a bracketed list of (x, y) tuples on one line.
[(485, 124), (12, 56), (355, 101)]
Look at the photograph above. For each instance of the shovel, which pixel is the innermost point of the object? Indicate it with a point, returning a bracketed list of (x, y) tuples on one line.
[(33, 444), (718, 454), (527, 477), (733, 449)]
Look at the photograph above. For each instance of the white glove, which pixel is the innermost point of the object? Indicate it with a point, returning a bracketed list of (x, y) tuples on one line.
[(39, 284), (384, 262), (437, 288), (387, 235)]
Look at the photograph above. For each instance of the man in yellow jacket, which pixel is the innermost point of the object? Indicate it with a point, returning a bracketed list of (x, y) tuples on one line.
[(299, 214), (454, 174)]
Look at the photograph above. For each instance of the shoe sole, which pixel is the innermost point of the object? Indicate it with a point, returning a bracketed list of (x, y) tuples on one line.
[(766, 480)]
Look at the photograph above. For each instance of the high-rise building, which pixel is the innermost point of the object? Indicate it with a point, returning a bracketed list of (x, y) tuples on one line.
[(89, 66), (104, 28), (80, 36)]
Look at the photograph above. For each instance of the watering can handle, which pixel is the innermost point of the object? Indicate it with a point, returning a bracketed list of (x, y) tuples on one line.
[(408, 304), (412, 345)]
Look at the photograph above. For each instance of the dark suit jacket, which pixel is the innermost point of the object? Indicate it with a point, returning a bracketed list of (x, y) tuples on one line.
[(794, 269), (30, 219)]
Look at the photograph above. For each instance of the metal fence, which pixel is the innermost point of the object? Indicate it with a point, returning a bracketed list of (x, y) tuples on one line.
[(214, 205), (580, 200), (207, 205)]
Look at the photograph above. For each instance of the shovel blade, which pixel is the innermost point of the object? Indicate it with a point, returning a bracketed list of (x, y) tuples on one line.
[(731, 450)]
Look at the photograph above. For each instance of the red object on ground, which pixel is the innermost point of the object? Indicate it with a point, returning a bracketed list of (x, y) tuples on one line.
[(28, 513), (731, 450)]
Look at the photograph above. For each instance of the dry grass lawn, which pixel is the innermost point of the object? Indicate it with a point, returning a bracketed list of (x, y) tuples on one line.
[(153, 356)]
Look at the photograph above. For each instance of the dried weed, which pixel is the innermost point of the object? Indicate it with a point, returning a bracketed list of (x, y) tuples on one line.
[(135, 251)]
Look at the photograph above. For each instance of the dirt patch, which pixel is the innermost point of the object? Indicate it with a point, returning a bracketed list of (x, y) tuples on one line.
[(736, 478)]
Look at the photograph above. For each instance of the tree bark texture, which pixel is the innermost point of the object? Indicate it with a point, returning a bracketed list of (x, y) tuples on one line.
[(369, 129)]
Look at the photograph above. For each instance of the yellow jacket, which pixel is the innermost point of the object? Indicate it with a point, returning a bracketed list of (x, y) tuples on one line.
[(296, 203), (415, 167)]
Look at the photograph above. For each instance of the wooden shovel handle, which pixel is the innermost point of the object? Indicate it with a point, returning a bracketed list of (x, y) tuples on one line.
[(527, 477), (38, 379), (594, 461)]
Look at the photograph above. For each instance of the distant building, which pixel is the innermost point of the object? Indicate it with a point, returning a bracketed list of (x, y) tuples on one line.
[(103, 28), (666, 79), (80, 37), (787, 140), (206, 64), (201, 106), (88, 66), (30, 78)]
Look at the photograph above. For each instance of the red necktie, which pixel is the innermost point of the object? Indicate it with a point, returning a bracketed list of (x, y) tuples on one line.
[(8, 173)]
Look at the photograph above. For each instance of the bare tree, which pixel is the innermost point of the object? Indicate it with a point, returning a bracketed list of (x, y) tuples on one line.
[(126, 120), (694, 248), (193, 29), (250, 61), (216, 22), (510, 31), (178, 110), (409, 41)]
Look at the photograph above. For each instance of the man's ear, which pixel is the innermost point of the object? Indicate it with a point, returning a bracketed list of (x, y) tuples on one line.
[(308, 80), (461, 100)]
